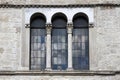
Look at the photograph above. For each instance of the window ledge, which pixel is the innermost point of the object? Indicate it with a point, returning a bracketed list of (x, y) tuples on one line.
[(65, 73)]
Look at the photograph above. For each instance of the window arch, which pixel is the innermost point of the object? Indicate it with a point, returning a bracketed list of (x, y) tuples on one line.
[(59, 38), (37, 20), (59, 42), (80, 20), (59, 20), (80, 42), (37, 42)]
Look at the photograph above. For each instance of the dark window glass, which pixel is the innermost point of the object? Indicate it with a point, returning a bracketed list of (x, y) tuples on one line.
[(59, 49), (80, 44), (80, 22), (59, 20), (59, 42), (80, 49), (59, 23), (38, 56), (37, 42), (38, 22)]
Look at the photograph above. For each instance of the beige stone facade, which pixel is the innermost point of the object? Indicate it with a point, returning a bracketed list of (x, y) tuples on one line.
[(60, 78), (104, 39)]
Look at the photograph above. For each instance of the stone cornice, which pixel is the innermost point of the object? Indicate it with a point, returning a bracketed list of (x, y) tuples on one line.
[(56, 73), (6, 5)]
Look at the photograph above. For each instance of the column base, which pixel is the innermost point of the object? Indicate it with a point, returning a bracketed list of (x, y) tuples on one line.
[(48, 69), (69, 69)]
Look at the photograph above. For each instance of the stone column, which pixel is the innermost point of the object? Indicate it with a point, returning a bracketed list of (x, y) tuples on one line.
[(92, 47), (69, 30), (48, 48)]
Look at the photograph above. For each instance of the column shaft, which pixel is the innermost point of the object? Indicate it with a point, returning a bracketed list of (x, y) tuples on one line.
[(48, 49), (70, 48)]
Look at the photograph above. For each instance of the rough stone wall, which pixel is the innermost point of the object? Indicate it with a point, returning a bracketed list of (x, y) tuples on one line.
[(106, 39), (10, 29), (58, 1), (106, 54), (60, 77), (107, 32)]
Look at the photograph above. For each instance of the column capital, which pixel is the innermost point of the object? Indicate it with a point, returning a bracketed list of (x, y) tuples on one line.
[(27, 25), (91, 25), (69, 28), (48, 29)]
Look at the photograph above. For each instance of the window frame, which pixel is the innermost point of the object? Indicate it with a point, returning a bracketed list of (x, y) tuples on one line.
[(91, 52), (77, 25), (34, 21)]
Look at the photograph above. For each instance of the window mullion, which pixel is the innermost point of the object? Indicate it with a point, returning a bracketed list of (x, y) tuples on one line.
[(69, 29), (48, 48)]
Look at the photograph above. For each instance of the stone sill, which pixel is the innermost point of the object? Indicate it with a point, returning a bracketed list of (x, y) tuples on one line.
[(60, 73)]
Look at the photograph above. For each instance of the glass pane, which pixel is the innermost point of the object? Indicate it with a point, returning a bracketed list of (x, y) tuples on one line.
[(34, 32), (38, 22), (59, 22), (38, 49), (80, 49), (39, 54), (80, 21), (55, 60), (59, 49), (54, 46)]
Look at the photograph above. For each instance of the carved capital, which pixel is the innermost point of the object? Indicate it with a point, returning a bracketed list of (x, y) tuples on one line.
[(48, 28), (27, 25), (69, 28), (91, 25)]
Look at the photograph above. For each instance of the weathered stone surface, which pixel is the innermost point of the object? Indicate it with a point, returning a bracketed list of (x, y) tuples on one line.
[(14, 38), (107, 39), (10, 24), (60, 77), (106, 36)]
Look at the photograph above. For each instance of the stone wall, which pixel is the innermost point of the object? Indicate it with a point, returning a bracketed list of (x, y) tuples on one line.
[(105, 35), (60, 77), (107, 39), (105, 55), (10, 41)]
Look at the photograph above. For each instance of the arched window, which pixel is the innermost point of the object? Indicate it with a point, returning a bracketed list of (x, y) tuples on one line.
[(80, 43), (37, 42), (59, 42)]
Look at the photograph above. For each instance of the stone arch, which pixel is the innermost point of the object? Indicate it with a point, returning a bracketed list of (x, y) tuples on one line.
[(38, 20), (80, 20), (59, 20)]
